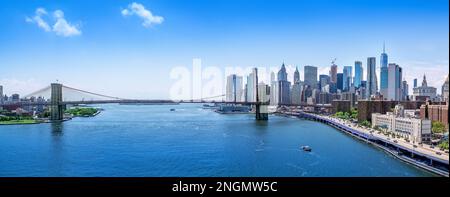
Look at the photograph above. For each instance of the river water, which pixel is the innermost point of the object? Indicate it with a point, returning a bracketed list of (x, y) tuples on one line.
[(151, 140)]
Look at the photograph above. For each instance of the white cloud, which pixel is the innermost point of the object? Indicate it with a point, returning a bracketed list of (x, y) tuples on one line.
[(146, 15), (40, 12), (61, 27)]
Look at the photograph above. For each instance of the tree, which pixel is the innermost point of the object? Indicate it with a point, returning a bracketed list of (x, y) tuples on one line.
[(437, 127)]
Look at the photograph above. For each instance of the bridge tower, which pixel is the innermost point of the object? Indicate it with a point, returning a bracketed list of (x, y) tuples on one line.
[(56, 107), (260, 109)]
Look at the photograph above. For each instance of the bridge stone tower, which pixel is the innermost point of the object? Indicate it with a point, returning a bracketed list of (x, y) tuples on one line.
[(56, 107), (261, 111)]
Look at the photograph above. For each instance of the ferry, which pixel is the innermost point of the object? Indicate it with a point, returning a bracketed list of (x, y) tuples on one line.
[(307, 148)]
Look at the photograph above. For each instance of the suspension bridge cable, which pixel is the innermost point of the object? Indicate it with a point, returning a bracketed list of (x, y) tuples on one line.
[(35, 93), (101, 95)]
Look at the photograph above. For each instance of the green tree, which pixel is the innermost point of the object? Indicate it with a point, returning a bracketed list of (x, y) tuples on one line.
[(437, 127)]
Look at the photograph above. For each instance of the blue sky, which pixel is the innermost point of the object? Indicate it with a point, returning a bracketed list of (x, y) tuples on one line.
[(101, 49)]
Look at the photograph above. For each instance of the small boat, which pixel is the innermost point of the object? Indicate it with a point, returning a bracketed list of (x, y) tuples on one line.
[(172, 109), (306, 148)]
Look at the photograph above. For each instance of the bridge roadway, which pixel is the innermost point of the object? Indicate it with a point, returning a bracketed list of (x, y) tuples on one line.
[(136, 101)]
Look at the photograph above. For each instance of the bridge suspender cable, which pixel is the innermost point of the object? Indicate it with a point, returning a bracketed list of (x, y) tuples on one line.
[(36, 92), (101, 95)]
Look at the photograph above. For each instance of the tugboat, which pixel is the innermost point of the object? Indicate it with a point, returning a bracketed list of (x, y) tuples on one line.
[(306, 148)]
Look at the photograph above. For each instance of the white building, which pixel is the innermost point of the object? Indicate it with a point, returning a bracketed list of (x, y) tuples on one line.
[(424, 90), (252, 81), (394, 92), (414, 129), (234, 88)]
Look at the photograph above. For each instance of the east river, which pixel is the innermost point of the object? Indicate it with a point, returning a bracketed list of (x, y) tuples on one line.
[(152, 140)]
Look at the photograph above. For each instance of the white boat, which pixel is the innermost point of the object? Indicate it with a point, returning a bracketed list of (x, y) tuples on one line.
[(306, 148)]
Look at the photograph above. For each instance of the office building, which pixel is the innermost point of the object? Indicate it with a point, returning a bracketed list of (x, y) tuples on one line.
[(358, 74), (424, 92), (252, 82), (347, 78), (394, 92), (415, 83), (445, 90), (405, 91), (333, 73), (340, 81), (372, 87), (296, 76), (283, 88), (234, 88), (384, 74), (1, 94), (310, 76), (414, 129), (324, 80)]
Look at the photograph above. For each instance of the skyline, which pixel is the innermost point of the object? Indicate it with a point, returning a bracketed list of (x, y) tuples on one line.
[(143, 41)]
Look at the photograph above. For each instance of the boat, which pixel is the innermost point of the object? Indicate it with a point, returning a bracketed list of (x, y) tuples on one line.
[(306, 148), (172, 109)]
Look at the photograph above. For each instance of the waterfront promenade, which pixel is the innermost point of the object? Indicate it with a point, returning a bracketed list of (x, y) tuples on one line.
[(422, 150)]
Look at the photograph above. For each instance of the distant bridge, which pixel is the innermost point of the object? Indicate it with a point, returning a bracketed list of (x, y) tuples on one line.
[(57, 103)]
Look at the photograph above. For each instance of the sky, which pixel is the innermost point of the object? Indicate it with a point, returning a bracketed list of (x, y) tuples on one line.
[(130, 49)]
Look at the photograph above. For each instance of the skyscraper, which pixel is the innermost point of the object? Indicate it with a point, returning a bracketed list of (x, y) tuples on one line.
[(405, 90), (394, 92), (372, 87), (340, 81), (296, 76), (358, 74), (333, 73), (384, 73), (444, 90), (415, 83), (310, 76), (1, 94), (323, 81), (234, 88), (283, 87), (252, 83), (347, 78)]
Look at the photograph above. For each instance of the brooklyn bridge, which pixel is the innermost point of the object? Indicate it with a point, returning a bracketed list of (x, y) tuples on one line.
[(61, 96)]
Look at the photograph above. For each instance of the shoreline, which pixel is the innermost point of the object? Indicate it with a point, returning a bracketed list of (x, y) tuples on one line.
[(404, 159)]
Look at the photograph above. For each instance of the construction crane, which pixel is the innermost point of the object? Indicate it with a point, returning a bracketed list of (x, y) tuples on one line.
[(333, 61)]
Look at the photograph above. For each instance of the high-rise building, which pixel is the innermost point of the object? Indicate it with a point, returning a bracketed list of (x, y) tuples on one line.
[(395, 83), (340, 81), (15, 98), (272, 77), (333, 73), (384, 74), (372, 87), (310, 76), (405, 91), (234, 88), (445, 90), (323, 81), (283, 87), (347, 78), (296, 93), (415, 83), (296, 76), (1, 94), (252, 82), (358, 74)]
